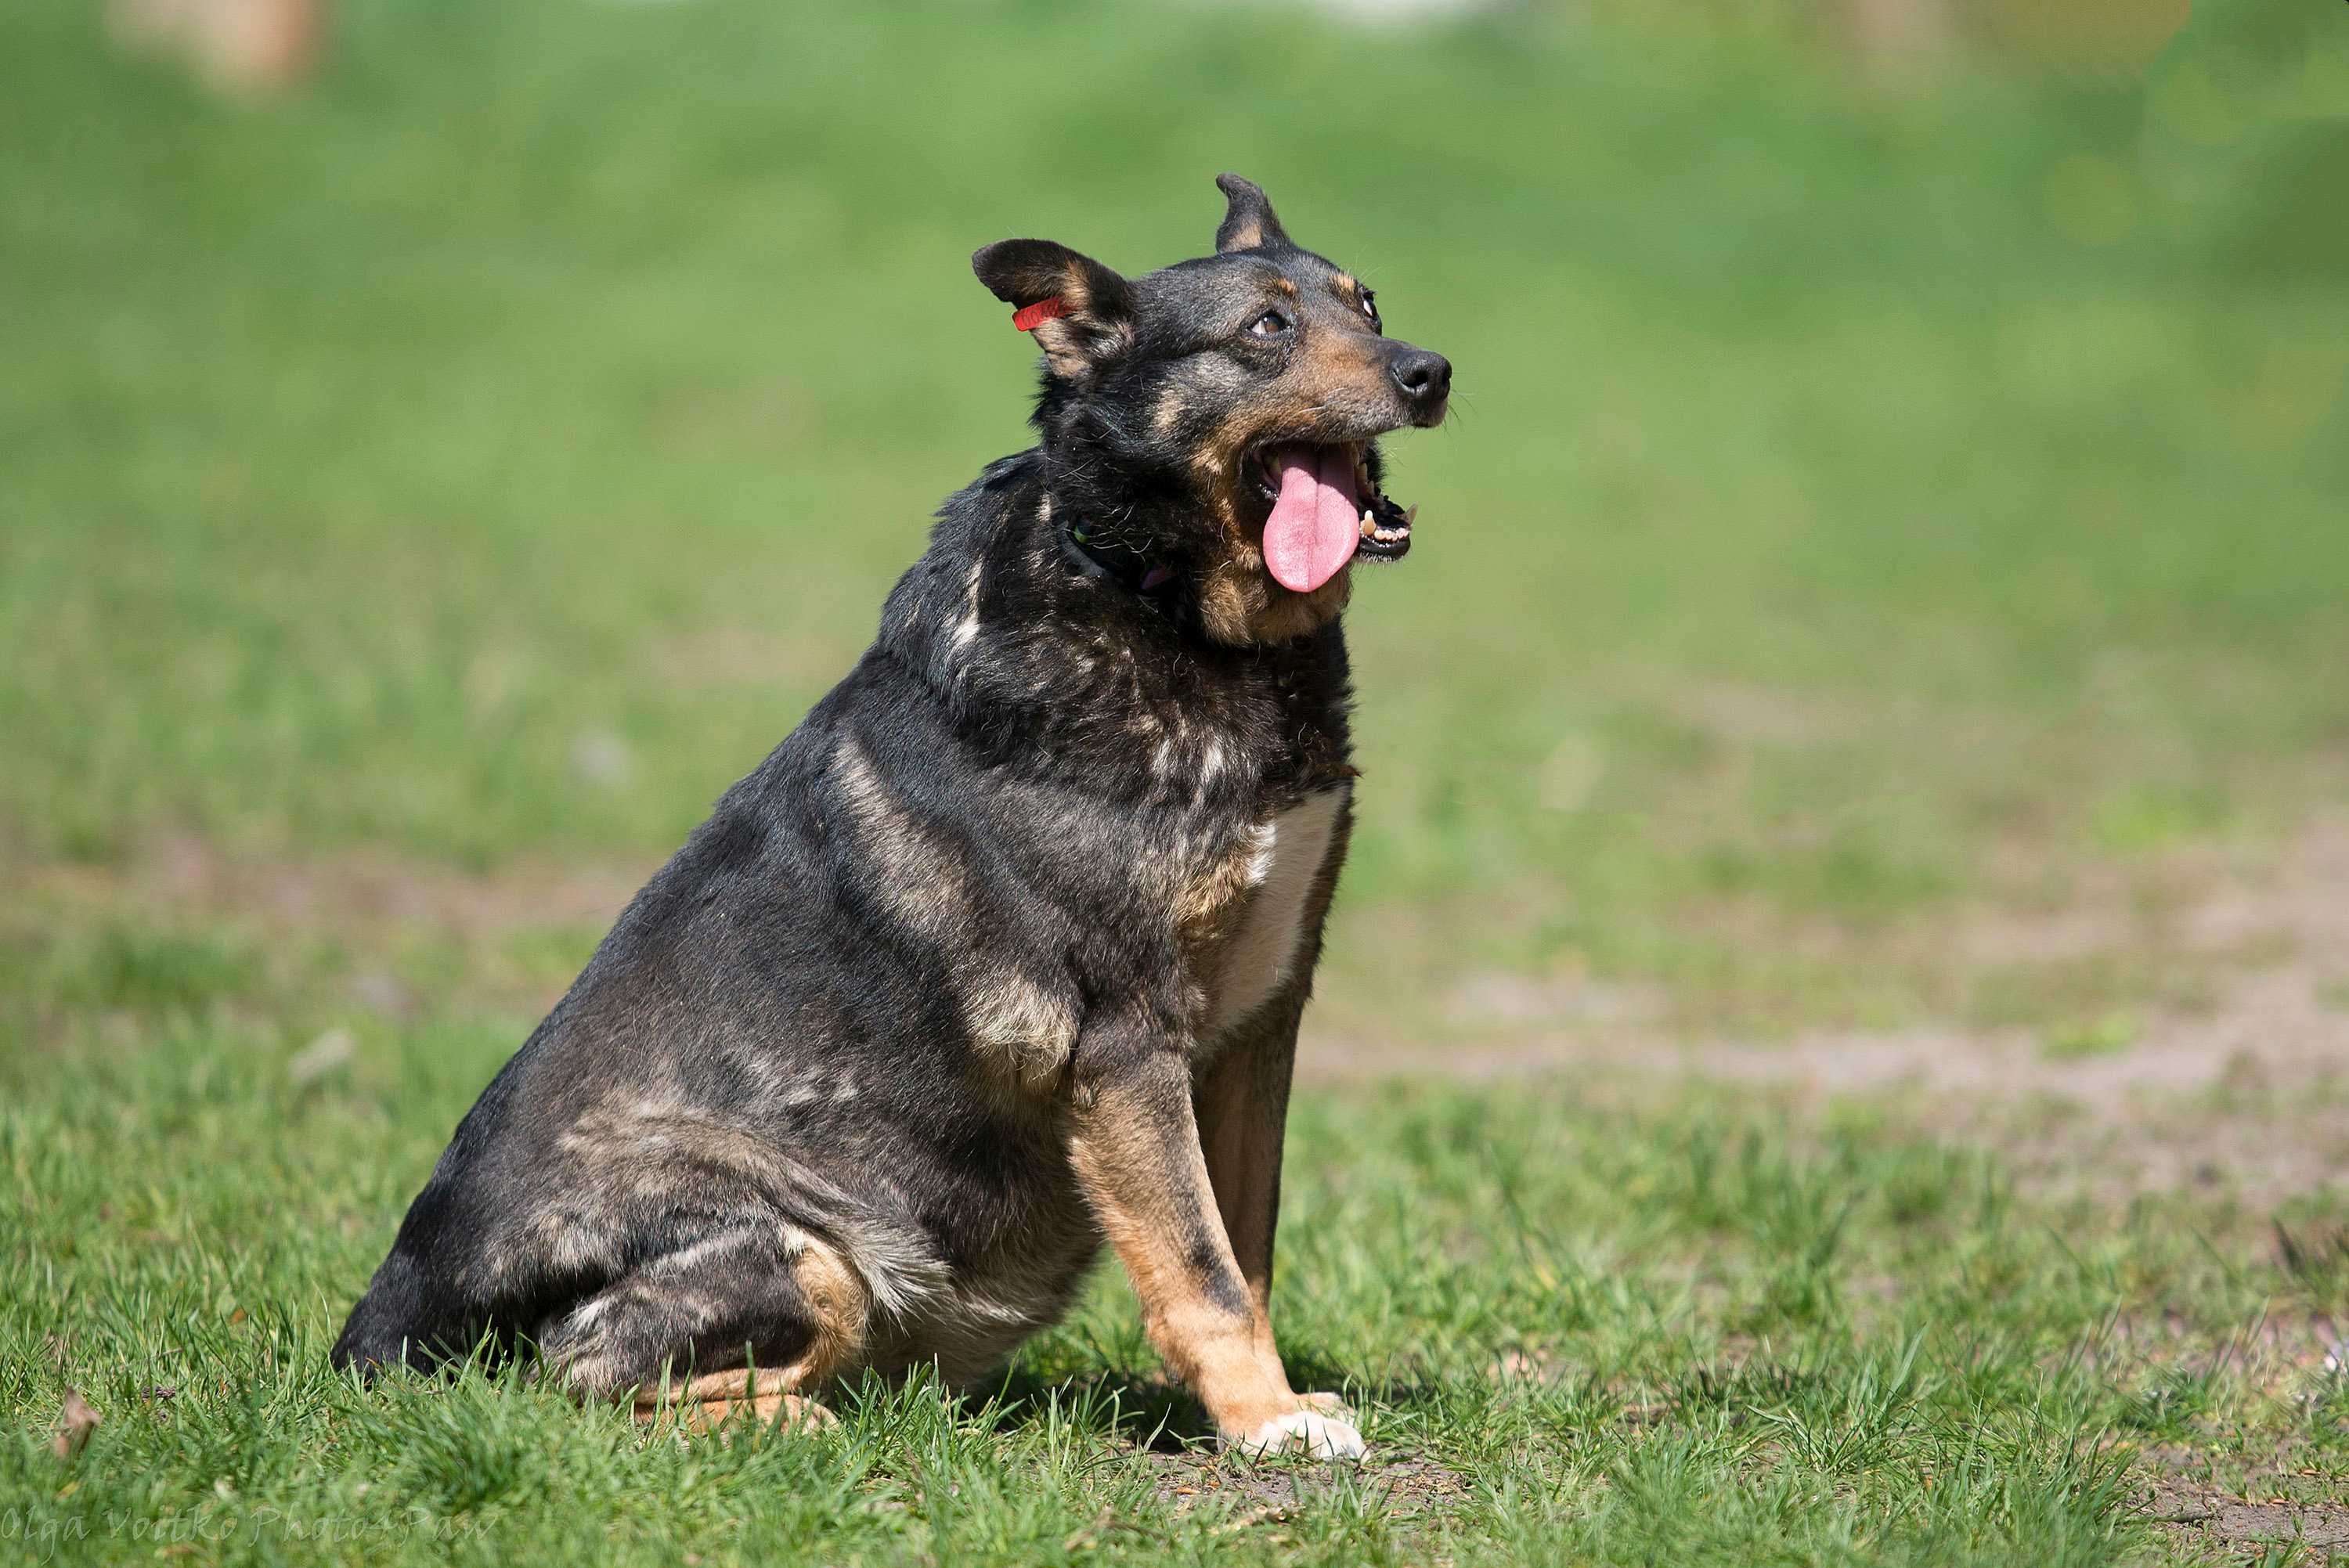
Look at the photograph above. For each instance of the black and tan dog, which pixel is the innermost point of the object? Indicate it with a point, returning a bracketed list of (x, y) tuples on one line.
[(1003, 951)]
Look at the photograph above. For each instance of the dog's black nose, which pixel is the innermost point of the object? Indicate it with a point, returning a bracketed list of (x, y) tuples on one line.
[(1423, 377)]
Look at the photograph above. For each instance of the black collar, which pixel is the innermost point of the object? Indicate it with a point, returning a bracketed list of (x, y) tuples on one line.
[(1098, 553)]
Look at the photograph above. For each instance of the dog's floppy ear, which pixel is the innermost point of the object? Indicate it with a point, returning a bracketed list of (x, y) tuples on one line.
[(1248, 220), (1081, 312)]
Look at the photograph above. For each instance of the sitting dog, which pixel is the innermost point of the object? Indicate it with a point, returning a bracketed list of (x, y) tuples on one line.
[(1002, 951)]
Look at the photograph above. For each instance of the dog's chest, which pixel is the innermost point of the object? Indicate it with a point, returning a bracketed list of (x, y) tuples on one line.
[(1245, 918)]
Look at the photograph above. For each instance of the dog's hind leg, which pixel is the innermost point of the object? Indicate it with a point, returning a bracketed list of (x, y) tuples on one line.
[(715, 1400), (744, 1322)]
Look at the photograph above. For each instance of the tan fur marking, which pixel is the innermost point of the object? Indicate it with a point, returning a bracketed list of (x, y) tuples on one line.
[(1063, 349), (1209, 908), (1067, 340), (1340, 368), (1023, 1033), (924, 881), (1169, 412), (721, 1402), (1239, 605), (842, 1308)]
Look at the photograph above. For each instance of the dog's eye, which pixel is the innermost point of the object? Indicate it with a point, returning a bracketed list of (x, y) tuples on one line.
[(1371, 306), (1271, 324)]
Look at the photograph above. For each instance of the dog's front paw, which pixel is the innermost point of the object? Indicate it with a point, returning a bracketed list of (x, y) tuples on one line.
[(1322, 1432)]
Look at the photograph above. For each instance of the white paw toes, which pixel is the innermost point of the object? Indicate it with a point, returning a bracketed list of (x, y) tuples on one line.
[(1312, 1433)]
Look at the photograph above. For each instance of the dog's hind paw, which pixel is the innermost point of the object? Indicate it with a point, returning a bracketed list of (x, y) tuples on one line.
[(780, 1412), (1315, 1433)]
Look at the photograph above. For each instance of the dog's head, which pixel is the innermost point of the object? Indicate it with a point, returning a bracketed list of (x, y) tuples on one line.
[(1220, 416)]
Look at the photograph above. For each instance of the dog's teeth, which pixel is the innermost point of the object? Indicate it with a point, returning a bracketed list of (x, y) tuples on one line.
[(1368, 528), (1410, 516)]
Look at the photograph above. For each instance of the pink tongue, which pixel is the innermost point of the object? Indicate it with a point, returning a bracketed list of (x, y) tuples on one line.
[(1315, 524)]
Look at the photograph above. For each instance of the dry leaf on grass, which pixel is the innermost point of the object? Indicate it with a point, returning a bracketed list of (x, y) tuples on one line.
[(75, 1424)]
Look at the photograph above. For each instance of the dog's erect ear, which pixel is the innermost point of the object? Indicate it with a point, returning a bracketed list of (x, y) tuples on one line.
[(1081, 312), (1248, 220)]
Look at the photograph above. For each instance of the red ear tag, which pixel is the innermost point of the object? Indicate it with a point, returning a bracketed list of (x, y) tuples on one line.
[(1028, 318)]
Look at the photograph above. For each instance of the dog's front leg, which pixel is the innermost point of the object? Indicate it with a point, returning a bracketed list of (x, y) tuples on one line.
[(1242, 1105), (1134, 1142)]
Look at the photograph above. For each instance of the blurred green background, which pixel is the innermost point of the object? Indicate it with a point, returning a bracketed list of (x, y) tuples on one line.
[(1897, 467), (1876, 650)]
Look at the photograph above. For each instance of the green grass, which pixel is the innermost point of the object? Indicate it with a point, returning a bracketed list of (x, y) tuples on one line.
[(420, 495), (2110, 1035), (1601, 1329)]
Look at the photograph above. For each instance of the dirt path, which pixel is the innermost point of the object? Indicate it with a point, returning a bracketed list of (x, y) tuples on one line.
[(2246, 1081)]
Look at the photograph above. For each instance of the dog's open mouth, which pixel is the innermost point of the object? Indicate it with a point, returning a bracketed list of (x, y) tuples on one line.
[(1326, 510)]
